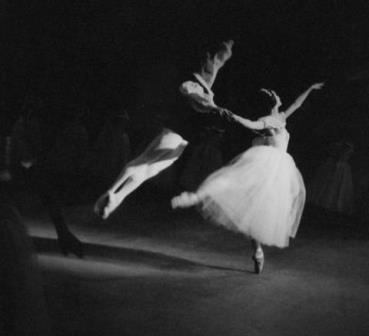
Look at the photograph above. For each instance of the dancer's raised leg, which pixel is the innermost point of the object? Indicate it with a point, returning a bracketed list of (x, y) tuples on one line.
[(162, 152)]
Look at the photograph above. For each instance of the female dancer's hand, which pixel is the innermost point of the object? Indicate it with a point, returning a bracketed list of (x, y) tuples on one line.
[(273, 94), (266, 91), (317, 86)]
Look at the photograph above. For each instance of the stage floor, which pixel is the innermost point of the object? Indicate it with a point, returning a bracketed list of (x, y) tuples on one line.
[(147, 271)]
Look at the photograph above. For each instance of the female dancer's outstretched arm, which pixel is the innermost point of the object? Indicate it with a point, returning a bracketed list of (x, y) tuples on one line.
[(258, 124), (300, 99)]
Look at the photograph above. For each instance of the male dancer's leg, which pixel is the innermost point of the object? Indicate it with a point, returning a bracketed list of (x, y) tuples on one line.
[(161, 153)]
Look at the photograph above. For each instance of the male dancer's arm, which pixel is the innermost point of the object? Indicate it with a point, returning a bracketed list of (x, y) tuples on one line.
[(300, 99), (202, 102), (215, 63)]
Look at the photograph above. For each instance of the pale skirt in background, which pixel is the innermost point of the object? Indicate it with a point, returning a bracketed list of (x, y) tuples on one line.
[(332, 187)]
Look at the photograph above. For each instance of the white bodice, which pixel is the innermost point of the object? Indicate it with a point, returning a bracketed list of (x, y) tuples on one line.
[(280, 139)]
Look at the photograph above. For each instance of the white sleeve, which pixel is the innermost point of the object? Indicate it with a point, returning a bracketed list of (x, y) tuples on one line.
[(195, 93)]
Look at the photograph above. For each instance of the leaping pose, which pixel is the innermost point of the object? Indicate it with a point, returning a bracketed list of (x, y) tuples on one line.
[(199, 111)]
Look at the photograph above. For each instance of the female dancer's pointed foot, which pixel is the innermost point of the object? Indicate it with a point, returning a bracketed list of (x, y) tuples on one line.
[(184, 200), (258, 259), (69, 243)]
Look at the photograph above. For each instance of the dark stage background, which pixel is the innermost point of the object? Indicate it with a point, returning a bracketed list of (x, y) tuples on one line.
[(76, 66), (109, 54)]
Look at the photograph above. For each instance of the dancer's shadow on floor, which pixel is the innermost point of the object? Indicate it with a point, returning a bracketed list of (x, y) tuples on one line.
[(132, 255)]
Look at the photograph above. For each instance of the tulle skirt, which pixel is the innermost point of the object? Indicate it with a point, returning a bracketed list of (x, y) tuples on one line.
[(260, 193)]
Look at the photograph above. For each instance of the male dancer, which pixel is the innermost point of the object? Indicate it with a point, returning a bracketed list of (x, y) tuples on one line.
[(198, 111)]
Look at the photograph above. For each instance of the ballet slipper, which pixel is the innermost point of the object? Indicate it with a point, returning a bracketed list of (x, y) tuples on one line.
[(258, 259)]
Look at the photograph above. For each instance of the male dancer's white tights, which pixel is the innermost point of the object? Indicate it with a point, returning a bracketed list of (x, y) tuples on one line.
[(161, 153)]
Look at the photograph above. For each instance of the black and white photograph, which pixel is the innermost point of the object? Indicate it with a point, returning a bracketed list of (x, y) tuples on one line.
[(184, 167)]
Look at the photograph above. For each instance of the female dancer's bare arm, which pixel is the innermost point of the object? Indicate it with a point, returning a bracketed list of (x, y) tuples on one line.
[(258, 124), (255, 125), (300, 99)]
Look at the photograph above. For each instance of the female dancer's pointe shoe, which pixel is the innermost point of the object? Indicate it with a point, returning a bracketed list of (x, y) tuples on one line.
[(69, 243), (184, 200), (258, 259)]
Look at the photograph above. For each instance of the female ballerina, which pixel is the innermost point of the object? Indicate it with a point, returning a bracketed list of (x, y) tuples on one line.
[(261, 192)]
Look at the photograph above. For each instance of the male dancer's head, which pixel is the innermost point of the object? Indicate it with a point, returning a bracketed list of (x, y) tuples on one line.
[(214, 60)]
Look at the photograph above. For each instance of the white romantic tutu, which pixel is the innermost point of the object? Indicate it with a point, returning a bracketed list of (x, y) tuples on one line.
[(260, 193)]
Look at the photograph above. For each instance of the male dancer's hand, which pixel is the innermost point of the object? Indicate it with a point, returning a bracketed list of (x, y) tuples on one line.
[(226, 52), (227, 114)]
